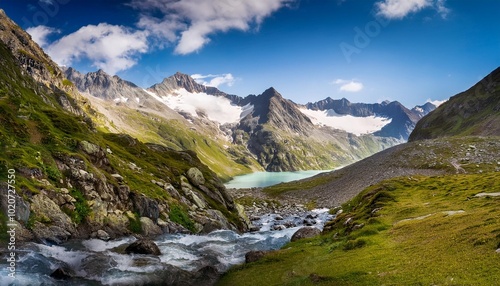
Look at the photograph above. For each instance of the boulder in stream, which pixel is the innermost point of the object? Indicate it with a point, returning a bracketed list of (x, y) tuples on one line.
[(143, 246)]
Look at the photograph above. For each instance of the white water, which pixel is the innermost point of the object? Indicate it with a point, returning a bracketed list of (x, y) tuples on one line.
[(265, 179), (97, 262)]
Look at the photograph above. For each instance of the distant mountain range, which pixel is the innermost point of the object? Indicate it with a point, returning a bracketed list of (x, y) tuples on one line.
[(277, 133)]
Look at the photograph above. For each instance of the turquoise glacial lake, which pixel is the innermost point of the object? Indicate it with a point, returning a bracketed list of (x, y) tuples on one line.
[(265, 179)]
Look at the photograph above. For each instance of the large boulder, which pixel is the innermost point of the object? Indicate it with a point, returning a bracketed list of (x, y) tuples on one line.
[(195, 177), (305, 232), (145, 206), (50, 234), (254, 255), (50, 213), (143, 246), (149, 228)]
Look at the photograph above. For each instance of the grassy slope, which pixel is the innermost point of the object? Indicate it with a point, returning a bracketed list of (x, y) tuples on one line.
[(472, 112), (35, 130), (151, 128), (440, 249)]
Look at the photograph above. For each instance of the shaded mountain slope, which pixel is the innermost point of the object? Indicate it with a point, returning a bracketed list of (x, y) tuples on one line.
[(475, 111)]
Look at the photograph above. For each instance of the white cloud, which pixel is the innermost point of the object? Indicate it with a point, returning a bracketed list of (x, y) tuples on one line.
[(39, 34), (214, 80), (109, 47), (437, 102), (441, 8), (398, 9), (195, 20), (50, 2), (349, 85)]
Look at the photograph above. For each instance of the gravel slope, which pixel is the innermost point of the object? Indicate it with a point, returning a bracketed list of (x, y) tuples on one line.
[(429, 158)]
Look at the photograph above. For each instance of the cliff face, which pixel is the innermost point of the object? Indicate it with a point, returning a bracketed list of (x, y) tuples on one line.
[(73, 181)]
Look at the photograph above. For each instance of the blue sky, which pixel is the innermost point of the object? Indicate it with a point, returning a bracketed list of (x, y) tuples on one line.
[(363, 50)]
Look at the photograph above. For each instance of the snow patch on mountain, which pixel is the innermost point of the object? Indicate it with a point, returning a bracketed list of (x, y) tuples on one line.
[(215, 108), (348, 123)]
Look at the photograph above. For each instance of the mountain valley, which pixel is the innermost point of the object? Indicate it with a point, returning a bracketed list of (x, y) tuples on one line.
[(99, 163)]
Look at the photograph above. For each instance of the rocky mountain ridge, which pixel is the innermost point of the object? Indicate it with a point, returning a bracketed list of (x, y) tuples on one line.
[(268, 127)]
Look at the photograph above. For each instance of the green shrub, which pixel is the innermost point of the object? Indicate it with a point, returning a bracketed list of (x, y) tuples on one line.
[(353, 244), (135, 225), (178, 215), (53, 173), (82, 209), (67, 82)]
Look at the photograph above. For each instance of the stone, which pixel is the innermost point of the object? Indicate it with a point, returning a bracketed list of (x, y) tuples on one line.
[(254, 228), (278, 227), (254, 218), (305, 232), (102, 235), (278, 217), (172, 191), (358, 226), (348, 221), (43, 206), (149, 228), (312, 216), (243, 216), (195, 177), (309, 222), (118, 177), (197, 200), (255, 255), (143, 246), (50, 234), (62, 274), (145, 206), (89, 148)]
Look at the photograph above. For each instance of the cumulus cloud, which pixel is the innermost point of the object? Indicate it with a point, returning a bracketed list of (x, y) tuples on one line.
[(40, 34), (214, 80), (436, 103), (194, 21), (185, 24), (398, 9), (349, 85), (109, 47)]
